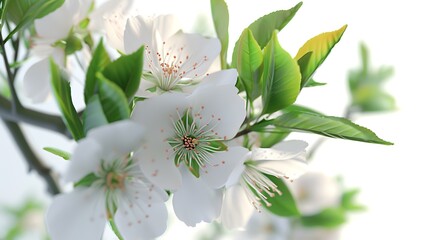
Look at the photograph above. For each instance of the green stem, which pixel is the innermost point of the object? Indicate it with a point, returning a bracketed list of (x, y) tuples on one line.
[(115, 229)]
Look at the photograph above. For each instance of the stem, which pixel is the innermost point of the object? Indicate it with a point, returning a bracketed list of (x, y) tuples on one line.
[(31, 158), (46, 121), (11, 77), (115, 229)]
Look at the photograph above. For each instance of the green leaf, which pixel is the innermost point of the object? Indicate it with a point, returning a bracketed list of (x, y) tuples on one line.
[(320, 46), (24, 12), (281, 205), (100, 60), (281, 79), (312, 83), (87, 180), (328, 218), (220, 17), (249, 60), (113, 100), (348, 201), (263, 28), (62, 93), (269, 139), (94, 116), (126, 72), (60, 153), (334, 127)]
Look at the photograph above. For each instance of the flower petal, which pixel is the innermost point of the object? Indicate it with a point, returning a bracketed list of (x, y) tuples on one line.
[(166, 25), (220, 108), (86, 159), (158, 114), (77, 215), (137, 219), (145, 190), (36, 82), (57, 24), (137, 33), (221, 165), (219, 78), (195, 201), (281, 164), (157, 164), (196, 52), (236, 208), (118, 139)]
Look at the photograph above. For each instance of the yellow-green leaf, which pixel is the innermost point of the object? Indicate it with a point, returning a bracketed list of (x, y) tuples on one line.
[(320, 46)]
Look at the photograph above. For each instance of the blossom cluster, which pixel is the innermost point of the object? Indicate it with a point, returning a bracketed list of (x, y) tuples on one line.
[(177, 142), (167, 117)]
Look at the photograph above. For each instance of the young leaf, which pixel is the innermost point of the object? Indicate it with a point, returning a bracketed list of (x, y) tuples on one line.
[(281, 79), (282, 205), (320, 46), (248, 62), (328, 218), (94, 116), (312, 83), (220, 17), (62, 93), (266, 25), (113, 100), (100, 60), (334, 127), (126, 72), (60, 153), (348, 201)]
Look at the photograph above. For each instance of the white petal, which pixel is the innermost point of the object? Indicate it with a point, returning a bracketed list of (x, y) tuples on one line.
[(157, 164), (314, 192), (158, 114), (144, 189), (195, 201), (57, 24), (290, 168), (220, 78), (36, 82), (77, 215), (137, 33), (166, 25), (195, 51), (137, 219), (86, 159), (221, 165), (236, 208), (118, 139), (221, 108)]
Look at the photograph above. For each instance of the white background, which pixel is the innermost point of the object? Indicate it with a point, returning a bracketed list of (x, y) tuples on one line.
[(392, 178)]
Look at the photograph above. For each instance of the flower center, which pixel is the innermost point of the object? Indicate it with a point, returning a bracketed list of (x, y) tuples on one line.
[(172, 67), (193, 144), (115, 181), (189, 143)]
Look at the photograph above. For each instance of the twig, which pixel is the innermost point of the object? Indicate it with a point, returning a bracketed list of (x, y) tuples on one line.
[(31, 158), (38, 119)]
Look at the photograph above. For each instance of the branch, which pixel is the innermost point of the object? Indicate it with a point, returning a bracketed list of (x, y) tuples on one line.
[(11, 77), (31, 158), (46, 121)]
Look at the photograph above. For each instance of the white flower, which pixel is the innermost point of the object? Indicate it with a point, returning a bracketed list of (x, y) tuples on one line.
[(248, 183), (190, 131), (118, 189), (314, 192), (52, 30), (173, 60)]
